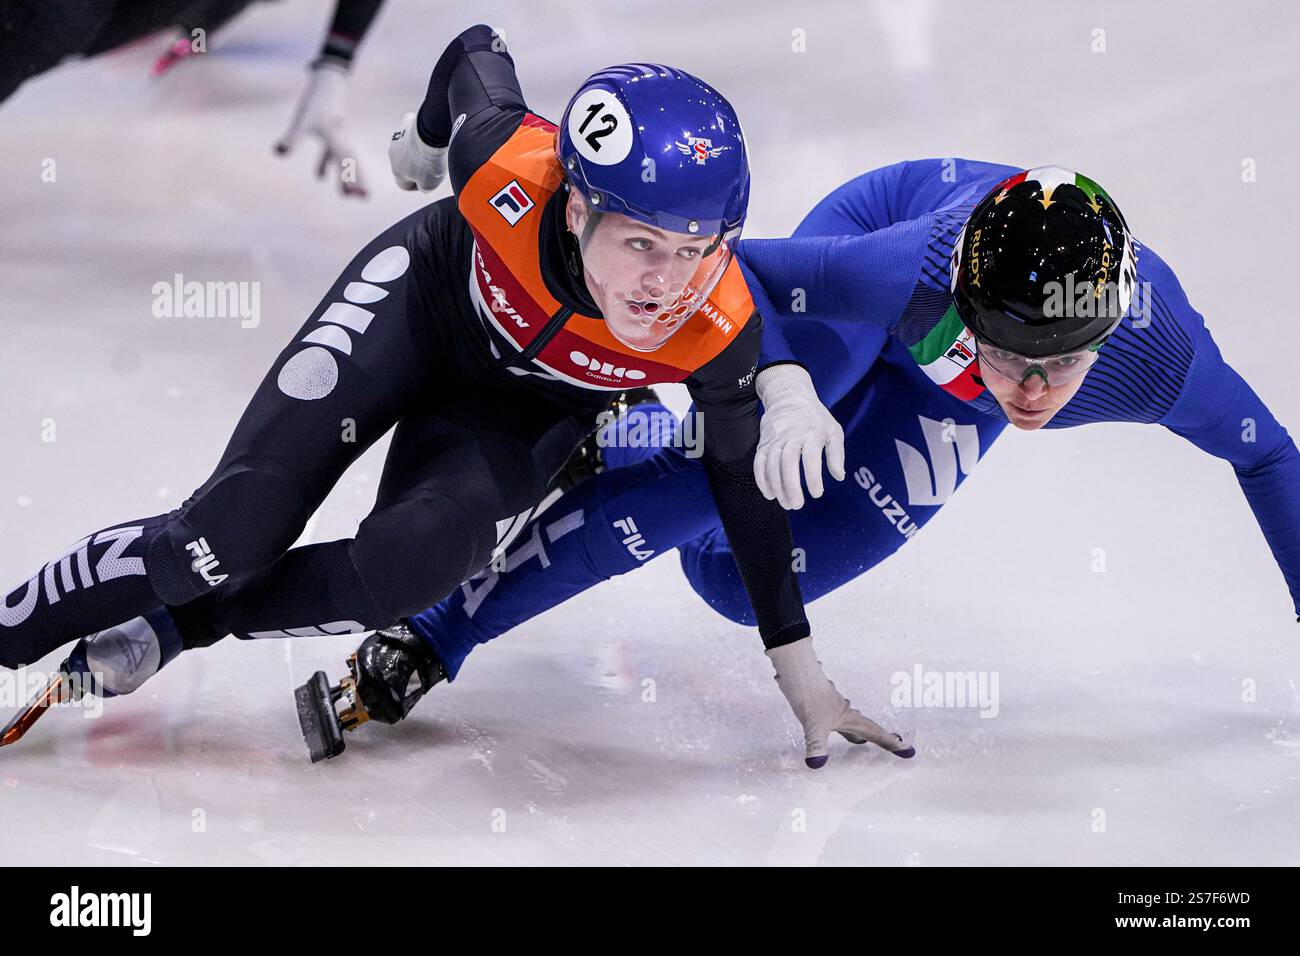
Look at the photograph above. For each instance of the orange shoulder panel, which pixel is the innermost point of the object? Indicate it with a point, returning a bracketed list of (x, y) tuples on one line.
[(527, 160)]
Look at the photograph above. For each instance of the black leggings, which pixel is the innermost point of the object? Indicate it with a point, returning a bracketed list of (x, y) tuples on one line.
[(474, 449)]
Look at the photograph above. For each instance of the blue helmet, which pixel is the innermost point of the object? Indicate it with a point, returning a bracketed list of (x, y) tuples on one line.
[(658, 145)]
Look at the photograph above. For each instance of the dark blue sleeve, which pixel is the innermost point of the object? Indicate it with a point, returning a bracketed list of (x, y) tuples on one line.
[(836, 354), (775, 348), (853, 288), (861, 279), (1221, 414), (891, 194)]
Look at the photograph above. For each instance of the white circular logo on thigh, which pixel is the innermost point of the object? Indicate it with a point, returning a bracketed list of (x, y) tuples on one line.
[(600, 128), (309, 375)]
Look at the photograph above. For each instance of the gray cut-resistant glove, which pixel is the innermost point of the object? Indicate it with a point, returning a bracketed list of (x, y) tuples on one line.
[(820, 707)]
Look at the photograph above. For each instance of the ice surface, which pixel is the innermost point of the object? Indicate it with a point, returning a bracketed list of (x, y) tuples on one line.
[(1119, 691)]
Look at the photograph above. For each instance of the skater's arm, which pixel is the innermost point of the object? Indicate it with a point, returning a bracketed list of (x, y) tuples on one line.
[(837, 355), (775, 348), (473, 104), (861, 279), (883, 197), (321, 113), (757, 529), (853, 289), (1221, 414), (351, 21)]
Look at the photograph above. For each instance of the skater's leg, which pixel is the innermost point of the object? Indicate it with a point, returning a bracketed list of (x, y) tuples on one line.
[(640, 434), (315, 412), (605, 526), (575, 543), (460, 476)]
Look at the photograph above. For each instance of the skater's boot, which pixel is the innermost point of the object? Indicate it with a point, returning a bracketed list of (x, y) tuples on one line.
[(120, 659), (108, 663), (390, 671), (395, 667)]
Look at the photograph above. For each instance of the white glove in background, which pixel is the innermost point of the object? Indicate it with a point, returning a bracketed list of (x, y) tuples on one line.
[(416, 164), (321, 113), (795, 428)]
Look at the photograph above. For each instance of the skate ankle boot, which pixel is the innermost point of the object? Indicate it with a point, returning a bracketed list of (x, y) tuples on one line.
[(108, 663), (588, 459), (391, 670), (120, 659), (395, 668)]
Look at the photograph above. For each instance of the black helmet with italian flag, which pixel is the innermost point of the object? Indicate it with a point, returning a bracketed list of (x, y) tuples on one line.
[(1045, 264)]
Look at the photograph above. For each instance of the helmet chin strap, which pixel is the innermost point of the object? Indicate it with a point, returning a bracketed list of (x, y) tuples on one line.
[(588, 227), (593, 217)]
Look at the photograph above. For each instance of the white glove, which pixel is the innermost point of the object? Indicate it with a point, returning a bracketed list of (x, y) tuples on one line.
[(820, 708), (416, 164), (795, 426), (321, 113)]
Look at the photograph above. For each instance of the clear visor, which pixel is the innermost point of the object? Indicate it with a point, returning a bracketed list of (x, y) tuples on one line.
[(648, 282), (1055, 369)]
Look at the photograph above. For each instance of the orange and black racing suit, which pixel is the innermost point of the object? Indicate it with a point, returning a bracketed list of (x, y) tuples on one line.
[(467, 326)]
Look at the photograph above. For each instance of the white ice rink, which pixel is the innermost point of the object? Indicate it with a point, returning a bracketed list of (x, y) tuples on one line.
[(1121, 692)]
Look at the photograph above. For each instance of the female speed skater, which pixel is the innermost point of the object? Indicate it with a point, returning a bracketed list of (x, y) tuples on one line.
[(491, 328), (944, 299)]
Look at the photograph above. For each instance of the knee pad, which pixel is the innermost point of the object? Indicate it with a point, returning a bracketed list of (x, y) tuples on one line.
[(244, 518), (413, 554)]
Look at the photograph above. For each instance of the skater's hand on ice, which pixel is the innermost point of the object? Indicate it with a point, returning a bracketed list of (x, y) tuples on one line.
[(821, 709), (321, 114), (416, 164), (796, 428)]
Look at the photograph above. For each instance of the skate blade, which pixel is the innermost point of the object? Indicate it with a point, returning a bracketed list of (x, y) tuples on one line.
[(318, 718), (321, 720), (41, 701)]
